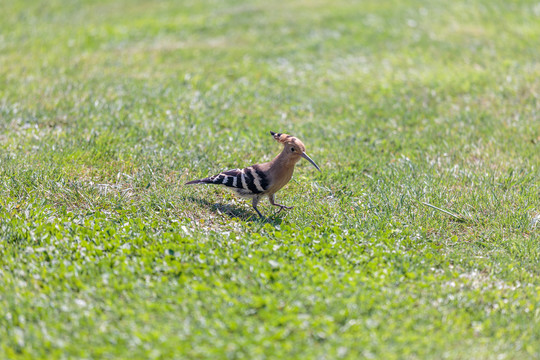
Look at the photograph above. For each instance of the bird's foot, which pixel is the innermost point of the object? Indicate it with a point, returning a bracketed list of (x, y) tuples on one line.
[(281, 207)]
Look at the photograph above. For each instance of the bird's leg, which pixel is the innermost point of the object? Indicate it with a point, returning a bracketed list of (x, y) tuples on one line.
[(271, 198), (254, 203)]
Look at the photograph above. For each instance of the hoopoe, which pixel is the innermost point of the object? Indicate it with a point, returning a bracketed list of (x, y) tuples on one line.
[(265, 179)]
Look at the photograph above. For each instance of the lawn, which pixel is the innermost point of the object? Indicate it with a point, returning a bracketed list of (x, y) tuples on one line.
[(420, 238)]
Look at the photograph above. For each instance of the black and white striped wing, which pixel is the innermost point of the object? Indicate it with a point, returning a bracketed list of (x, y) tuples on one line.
[(250, 181)]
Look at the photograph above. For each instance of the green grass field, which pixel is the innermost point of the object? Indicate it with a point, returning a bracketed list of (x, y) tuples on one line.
[(108, 107)]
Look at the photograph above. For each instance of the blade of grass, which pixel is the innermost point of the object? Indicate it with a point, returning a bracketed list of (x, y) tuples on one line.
[(458, 217)]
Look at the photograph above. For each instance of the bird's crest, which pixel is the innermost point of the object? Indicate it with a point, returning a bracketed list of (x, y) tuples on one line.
[(286, 139), (282, 138)]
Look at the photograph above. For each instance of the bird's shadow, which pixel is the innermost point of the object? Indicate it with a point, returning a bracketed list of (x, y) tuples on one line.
[(233, 211)]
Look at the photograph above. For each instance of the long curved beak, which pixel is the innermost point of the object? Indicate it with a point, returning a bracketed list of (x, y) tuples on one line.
[(305, 156)]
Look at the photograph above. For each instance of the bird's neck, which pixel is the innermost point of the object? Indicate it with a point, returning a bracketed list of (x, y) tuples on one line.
[(284, 160)]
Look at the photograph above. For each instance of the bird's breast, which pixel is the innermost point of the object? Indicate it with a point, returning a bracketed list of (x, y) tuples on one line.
[(280, 178)]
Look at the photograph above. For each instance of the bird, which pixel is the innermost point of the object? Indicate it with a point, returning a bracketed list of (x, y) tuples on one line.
[(259, 180)]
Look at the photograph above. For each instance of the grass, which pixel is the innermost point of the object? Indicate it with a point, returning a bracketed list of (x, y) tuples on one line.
[(418, 239)]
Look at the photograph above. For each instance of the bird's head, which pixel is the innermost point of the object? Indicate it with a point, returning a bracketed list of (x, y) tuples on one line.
[(293, 147)]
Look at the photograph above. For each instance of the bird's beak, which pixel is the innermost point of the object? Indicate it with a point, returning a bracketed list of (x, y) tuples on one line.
[(305, 156)]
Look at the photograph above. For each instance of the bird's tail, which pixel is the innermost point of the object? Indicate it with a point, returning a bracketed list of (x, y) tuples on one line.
[(231, 178)]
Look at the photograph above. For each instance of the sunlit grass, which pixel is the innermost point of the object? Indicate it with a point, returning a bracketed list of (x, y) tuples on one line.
[(417, 240)]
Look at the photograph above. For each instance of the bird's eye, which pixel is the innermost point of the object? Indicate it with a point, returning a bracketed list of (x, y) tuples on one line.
[(292, 149)]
